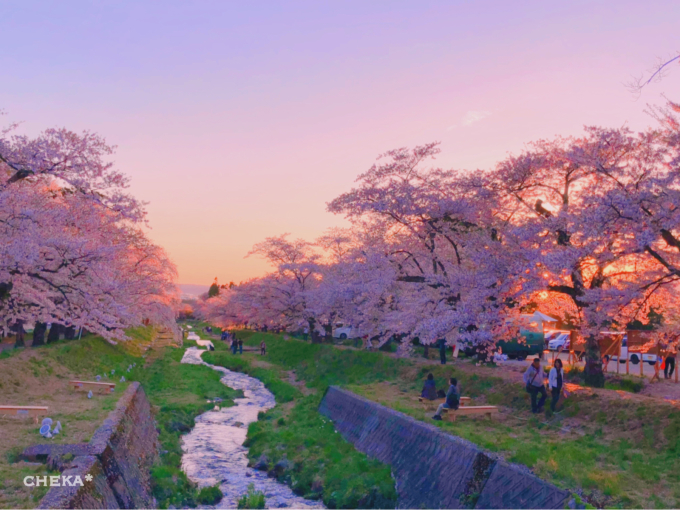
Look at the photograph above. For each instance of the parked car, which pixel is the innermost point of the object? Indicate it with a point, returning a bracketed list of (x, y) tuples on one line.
[(532, 345), (558, 340), (342, 332)]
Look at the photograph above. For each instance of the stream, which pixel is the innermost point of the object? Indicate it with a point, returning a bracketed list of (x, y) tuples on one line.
[(214, 451)]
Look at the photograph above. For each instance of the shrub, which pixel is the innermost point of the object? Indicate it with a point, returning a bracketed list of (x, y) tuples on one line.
[(209, 495), (251, 499)]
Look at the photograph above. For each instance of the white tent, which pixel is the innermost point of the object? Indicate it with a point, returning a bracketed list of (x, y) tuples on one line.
[(539, 320)]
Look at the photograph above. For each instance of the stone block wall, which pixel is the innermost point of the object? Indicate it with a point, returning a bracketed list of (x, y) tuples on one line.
[(119, 458), (433, 469)]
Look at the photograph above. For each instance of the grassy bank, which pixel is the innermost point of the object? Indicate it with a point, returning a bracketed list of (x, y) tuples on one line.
[(616, 450), (39, 376), (301, 448)]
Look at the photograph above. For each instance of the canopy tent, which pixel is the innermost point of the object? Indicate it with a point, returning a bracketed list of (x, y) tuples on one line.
[(539, 319)]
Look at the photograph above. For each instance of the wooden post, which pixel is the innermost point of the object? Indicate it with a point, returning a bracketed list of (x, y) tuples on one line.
[(642, 366), (618, 355)]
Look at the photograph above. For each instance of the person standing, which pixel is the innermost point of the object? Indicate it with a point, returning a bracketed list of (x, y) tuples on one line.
[(442, 350), (234, 344), (555, 381), (669, 364), (240, 346), (263, 348), (533, 378)]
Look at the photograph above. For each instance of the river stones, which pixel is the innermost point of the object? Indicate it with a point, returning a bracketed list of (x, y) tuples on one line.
[(262, 463)]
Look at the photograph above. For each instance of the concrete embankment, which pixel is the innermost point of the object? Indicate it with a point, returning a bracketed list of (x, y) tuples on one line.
[(114, 467), (433, 469)]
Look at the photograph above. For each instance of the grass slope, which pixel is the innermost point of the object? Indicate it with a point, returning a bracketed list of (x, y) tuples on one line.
[(618, 451), (301, 448), (39, 376)]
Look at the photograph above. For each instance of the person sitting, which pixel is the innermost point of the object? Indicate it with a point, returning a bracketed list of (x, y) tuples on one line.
[(452, 399), (429, 388)]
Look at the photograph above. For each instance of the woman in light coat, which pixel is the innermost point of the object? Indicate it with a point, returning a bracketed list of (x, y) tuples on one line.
[(556, 381)]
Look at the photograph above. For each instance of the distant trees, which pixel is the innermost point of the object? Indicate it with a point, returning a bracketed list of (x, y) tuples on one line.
[(586, 228), (214, 289), (73, 251)]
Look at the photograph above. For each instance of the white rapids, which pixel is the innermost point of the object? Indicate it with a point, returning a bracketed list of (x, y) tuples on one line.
[(214, 451)]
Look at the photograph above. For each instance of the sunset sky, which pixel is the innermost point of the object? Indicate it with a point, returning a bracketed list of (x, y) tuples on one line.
[(240, 120)]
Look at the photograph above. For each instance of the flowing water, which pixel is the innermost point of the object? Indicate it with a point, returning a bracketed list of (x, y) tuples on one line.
[(214, 451)]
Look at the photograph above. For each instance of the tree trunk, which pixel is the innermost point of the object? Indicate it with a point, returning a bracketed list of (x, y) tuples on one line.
[(39, 334), (426, 351), (19, 342), (328, 329), (55, 331), (594, 376), (70, 333)]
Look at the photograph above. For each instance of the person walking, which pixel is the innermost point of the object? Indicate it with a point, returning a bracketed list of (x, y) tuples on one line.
[(240, 346), (452, 399), (533, 378), (442, 350), (234, 344), (669, 364), (263, 348), (555, 381)]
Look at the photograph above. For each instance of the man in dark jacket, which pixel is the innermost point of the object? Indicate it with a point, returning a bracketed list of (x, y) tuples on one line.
[(533, 379), (452, 399), (441, 344)]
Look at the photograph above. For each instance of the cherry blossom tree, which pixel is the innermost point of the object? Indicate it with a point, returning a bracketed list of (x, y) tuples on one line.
[(446, 270), (595, 217), (282, 297), (73, 252)]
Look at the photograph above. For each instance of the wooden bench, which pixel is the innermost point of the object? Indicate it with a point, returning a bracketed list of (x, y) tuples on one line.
[(33, 411), (103, 387), (433, 404), (451, 414)]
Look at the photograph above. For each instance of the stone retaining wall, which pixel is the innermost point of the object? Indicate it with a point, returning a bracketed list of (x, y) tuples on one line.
[(433, 469), (118, 459)]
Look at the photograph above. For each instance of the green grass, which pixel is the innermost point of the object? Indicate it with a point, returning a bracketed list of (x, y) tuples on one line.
[(301, 448), (177, 393), (621, 453), (321, 365), (209, 495), (252, 498)]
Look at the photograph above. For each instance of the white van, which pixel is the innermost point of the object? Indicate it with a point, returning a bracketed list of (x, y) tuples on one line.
[(634, 356)]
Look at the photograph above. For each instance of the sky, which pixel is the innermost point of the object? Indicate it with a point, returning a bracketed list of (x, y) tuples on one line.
[(240, 120)]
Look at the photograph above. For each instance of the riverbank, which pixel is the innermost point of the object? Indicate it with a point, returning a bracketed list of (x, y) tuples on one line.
[(295, 444), (616, 449), (214, 450), (39, 376)]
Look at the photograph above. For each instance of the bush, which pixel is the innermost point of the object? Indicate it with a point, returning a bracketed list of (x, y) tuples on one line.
[(210, 495), (251, 499)]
